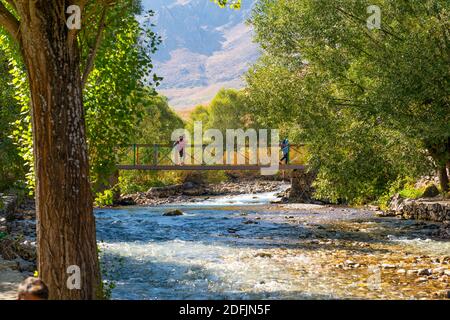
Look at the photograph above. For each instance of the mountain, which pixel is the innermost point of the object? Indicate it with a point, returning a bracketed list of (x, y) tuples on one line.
[(204, 49)]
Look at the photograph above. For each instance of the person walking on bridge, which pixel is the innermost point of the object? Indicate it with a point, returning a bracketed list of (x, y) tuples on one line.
[(180, 144), (285, 148)]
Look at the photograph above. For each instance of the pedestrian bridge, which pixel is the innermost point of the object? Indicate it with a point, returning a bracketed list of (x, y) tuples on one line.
[(159, 157)]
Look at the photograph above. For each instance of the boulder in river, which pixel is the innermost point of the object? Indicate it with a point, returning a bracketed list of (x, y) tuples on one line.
[(8, 205), (173, 213)]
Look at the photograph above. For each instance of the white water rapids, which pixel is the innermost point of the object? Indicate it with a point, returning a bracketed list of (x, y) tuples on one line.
[(236, 247)]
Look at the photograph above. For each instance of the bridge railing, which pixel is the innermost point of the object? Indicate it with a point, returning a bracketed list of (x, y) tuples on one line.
[(166, 155)]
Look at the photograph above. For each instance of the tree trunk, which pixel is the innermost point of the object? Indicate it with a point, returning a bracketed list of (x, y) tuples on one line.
[(65, 220), (440, 152), (443, 178)]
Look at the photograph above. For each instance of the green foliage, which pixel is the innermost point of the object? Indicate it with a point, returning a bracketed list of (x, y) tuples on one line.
[(199, 114), (228, 110), (115, 96), (371, 105), (157, 123), (233, 4), (105, 198), (141, 181), (12, 173), (404, 187), (411, 193)]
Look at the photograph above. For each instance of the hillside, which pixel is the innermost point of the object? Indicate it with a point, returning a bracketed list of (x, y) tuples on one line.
[(204, 49)]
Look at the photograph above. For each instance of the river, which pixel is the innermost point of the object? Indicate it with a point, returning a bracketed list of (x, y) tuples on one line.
[(242, 247)]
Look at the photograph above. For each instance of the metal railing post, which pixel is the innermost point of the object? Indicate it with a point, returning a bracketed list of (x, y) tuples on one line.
[(155, 154), (137, 155)]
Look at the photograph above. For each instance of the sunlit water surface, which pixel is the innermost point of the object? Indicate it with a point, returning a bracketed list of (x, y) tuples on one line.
[(237, 247)]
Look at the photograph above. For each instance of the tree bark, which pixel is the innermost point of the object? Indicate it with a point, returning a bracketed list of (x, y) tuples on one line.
[(440, 152), (65, 221), (443, 179), (444, 171)]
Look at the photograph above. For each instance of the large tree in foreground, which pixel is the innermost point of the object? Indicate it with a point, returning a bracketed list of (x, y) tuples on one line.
[(66, 225), (52, 56)]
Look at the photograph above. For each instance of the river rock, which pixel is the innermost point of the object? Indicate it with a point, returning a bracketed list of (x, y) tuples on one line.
[(420, 209), (388, 266), (263, 255), (8, 206), (25, 266), (412, 272), (173, 213), (277, 201), (396, 203), (445, 259), (445, 294), (194, 192), (431, 191), (189, 185), (424, 272), (349, 263), (438, 271), (7, 265), (422, 279), (164, 192), (126, 201)]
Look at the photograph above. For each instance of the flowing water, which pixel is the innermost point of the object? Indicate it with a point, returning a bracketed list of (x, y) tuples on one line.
[(242, 248)]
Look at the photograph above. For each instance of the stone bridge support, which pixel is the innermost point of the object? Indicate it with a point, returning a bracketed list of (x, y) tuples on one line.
[(301, 186)]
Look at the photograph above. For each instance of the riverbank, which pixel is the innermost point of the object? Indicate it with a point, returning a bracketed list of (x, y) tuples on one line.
[(192, 192), (17, 246), (427, 209), (323, 247)]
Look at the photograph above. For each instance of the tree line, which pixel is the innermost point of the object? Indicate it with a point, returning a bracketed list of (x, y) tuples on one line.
[(371, 104)]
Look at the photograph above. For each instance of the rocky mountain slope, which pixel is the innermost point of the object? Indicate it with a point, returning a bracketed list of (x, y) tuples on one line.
[(204, 49)]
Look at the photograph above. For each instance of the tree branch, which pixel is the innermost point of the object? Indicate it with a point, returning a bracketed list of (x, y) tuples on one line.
[(362, 20), (93, 51), (9, 22), (101, 27), (12, 4)]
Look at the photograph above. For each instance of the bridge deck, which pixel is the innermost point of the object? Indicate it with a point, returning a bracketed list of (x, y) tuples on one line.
[(165, 158), (205, 167)]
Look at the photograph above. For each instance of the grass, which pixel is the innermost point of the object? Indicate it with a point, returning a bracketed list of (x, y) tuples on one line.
[(411, 192)]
